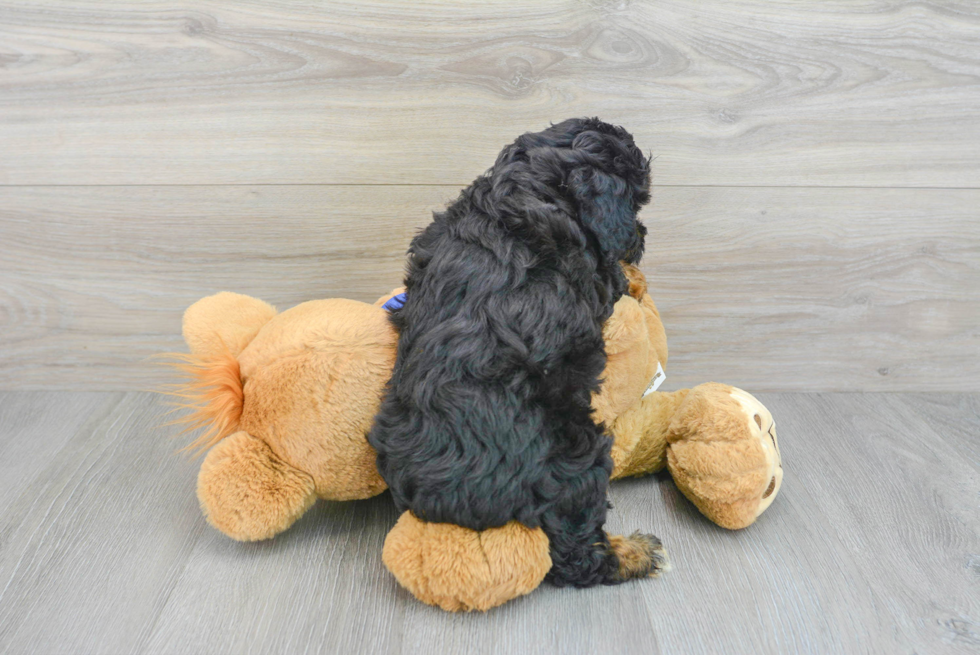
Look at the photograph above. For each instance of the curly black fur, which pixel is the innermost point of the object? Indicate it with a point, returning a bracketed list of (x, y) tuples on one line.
[(487, 417)]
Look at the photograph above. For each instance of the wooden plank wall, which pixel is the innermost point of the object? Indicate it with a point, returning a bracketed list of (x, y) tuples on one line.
[(815, 222)]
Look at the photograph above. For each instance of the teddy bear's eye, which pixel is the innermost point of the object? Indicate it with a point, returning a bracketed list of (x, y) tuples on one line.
[(758, 420)]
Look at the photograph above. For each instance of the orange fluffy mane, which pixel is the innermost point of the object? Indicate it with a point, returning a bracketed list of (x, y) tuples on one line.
[(212, 391)]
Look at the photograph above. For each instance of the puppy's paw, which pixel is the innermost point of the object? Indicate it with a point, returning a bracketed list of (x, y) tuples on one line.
[(639, 555)]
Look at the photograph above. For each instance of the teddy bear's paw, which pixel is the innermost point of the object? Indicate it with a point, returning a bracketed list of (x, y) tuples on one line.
[(640, 556), (459, 569), (249, 493)]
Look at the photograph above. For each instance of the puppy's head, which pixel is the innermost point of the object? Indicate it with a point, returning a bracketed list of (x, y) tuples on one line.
[(597, 169)]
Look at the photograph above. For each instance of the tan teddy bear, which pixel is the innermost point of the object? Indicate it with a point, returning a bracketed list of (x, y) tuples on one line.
[(287, 399)]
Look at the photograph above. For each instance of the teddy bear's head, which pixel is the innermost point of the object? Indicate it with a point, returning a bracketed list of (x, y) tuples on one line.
[(724, 455)]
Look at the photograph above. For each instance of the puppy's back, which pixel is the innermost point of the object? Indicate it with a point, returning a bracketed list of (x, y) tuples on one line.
[(496, 366)]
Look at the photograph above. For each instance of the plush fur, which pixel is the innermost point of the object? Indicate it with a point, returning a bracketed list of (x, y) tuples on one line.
[(723, 454), (286, 399), (635, 344), (461, 569), (248, 492), (487, 417)]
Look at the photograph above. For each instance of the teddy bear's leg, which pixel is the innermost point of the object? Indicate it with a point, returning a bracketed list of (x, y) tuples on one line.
[(459, 569), (224, 323), (640, 434), (249, 493)]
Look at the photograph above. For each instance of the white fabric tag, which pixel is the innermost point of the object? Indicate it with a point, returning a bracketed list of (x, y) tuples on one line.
[(657, 380)]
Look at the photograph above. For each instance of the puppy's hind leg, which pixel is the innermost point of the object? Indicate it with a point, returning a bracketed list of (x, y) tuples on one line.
[(639, 556), (583, 555)]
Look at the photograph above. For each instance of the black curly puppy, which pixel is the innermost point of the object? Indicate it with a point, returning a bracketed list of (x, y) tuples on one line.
[(487, 417)]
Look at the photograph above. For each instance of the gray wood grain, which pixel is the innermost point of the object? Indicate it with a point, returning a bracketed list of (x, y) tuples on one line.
[(872, 546), (766, 288), (93, 281), (748, 92), (320, 587), (31, 434), (813, 290), (92, 546), (956, 418)]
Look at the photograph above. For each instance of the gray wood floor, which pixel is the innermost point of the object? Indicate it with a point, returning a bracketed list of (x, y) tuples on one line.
[(872, 546)]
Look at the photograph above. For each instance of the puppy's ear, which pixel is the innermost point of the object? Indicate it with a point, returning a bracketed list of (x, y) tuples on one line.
[(606, 209)]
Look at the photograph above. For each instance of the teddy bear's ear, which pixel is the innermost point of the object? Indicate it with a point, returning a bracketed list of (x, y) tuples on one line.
[(636, 279), (224, 322)]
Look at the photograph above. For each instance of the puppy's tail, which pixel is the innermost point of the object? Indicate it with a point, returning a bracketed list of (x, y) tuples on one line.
[(212, 391)]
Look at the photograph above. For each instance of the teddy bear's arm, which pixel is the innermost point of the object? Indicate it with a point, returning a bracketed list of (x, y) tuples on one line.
[(640, 434)]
